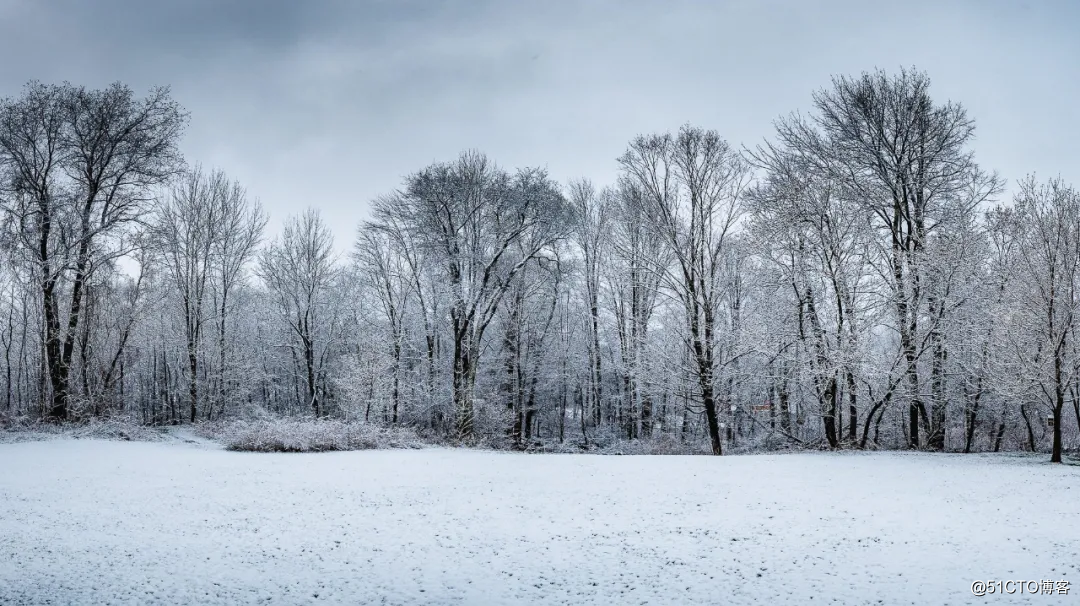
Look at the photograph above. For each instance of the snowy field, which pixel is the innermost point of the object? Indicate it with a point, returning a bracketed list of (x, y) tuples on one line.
[(95, 522)]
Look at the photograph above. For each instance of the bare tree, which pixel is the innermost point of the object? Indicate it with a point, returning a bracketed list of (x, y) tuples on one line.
[(692, 186), (1046, 279), (483, 226), (300, 272), (822, 243), (130, 308), (78, 165), (186, 231), (907, 160), (592, 239), (634, 278), (385, 271), (241, 222)]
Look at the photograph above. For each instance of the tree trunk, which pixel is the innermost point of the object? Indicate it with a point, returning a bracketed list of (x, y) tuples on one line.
[(396, 395), (312, 380), (222, 374), (646, 416), (596, 378), (830, 412), (711, 418), (511, 386), (55, 366), (581, 404), (1059, 406), (853, 411), (1055, 453), (51, 359), (971, 416), (785, 414), (936, 439), (1076, 411), (62, 385), (869, 419), (462, 385), (7, 356), (193, 380), (1030, 431), (907, 325)]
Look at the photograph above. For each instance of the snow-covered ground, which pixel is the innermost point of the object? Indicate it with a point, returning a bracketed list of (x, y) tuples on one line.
[(89, 522)]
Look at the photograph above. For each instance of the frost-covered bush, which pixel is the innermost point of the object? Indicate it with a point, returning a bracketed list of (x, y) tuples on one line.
[(116, 428), (604, 444), (662, 445), (292, 435), (95, 428)]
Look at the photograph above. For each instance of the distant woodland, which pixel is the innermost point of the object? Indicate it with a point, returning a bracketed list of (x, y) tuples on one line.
[(857, 280)]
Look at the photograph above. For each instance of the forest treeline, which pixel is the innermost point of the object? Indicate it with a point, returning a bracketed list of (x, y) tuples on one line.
[(856, 280)]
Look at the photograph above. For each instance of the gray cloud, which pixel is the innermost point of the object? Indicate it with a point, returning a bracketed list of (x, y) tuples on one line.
[(329, 103)]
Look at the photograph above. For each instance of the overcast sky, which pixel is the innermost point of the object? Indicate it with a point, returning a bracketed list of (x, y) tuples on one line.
[(329, 103)]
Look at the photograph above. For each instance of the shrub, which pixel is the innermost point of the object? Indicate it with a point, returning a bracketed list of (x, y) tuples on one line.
[(292, 435), (24, 428)]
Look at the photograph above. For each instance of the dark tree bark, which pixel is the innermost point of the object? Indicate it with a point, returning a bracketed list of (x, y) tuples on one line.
[(81, 162)]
